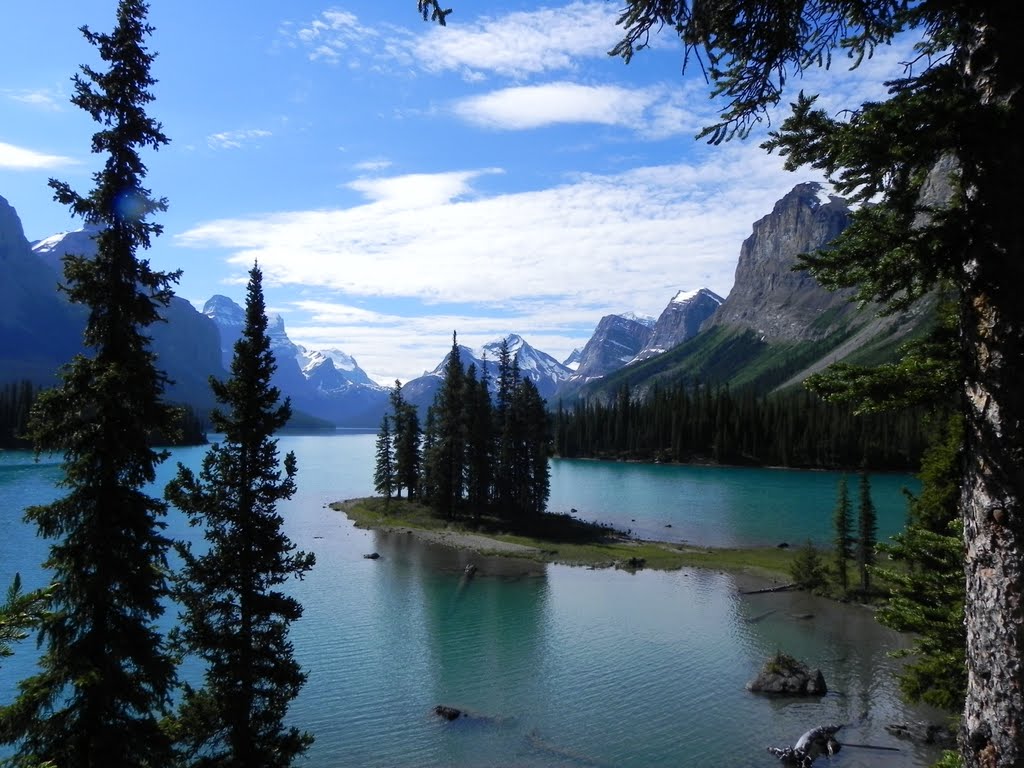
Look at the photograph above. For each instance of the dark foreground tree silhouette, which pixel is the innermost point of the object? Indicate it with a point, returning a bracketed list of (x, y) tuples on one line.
[(105, 676), (236, 618), (956, 118)]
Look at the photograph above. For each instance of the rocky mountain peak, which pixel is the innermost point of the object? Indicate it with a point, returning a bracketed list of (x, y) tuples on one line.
[(616, 340), (224, 312), (768, 296), (680, 320)]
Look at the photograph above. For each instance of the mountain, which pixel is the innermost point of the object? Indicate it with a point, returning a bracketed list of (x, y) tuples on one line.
[(186, 344), (768, 296), (539, 367), (326, 384), (680, 321), (572, 362), (39, 329), (777, 326), (616, 340)]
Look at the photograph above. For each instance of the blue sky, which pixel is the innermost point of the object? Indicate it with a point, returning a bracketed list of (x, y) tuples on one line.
[(397, 180)]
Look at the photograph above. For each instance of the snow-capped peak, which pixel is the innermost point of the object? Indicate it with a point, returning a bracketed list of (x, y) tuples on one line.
[(684, 296), (646, 320)]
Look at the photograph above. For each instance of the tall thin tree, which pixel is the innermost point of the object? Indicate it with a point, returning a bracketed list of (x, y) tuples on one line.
[(384, 481), (236, 616), (867, 531), (843, 539), (105, 675)]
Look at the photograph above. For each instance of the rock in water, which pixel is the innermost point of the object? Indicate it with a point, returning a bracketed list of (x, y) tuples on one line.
[(784, 675)]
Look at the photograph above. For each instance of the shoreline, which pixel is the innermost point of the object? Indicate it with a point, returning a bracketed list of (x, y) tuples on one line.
[(764, 566)]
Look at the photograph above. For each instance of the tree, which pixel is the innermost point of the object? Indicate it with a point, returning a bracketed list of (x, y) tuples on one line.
[(105, 676), (843, 541), (867, 531), (19, 612), (384, 469), (406, 442), (448, 450), (927, 593), (806, 568), (954, 120), (236, 617)]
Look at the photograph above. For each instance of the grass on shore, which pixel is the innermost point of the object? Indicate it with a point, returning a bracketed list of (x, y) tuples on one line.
[(571, 541)]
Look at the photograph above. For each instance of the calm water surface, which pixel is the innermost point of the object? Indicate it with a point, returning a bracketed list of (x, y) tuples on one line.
[(564, 666)]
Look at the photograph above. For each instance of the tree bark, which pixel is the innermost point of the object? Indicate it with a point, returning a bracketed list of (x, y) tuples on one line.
[(992, 312)]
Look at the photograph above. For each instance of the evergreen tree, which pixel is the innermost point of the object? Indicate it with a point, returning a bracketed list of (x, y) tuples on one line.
[(448, 453), (867, 531), (19, 612), (479, 420), (384, 469), (406, 442), (534, 449), (105, 676), (236, 618), (927, 597), (843, 541)]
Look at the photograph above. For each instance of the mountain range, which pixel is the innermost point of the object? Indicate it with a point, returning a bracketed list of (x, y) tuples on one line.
[(776, 327)]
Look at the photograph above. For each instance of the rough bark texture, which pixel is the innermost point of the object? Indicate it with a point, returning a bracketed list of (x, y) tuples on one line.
[(993, 325)]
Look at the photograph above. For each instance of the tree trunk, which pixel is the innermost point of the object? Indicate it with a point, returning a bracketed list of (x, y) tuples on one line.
[(992, 311)]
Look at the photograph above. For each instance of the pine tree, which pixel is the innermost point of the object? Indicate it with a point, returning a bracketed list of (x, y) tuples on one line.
[(236, 616), (406, 435), (19, 612), (927, 593), (867, 531), (384, 469), (843, 541), (105, 676), (448, 452)]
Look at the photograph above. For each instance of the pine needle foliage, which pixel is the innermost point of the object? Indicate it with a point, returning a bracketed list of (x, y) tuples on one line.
[(105, 676), (843, 541), (236, 615)]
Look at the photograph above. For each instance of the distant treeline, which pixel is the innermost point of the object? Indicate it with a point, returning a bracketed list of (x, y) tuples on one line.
[(693, 424), (16, 399)]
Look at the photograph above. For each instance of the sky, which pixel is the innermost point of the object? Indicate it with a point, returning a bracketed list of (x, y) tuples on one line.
[(397, 180)]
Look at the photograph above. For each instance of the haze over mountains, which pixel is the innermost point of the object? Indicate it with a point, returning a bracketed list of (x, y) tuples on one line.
[(774, 328)]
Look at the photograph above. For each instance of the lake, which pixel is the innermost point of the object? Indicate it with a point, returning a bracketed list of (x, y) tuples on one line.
[(564, 666)]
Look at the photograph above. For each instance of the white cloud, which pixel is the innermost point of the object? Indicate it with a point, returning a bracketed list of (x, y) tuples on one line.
[(20, 159), (516, 44), (368, 166), (521, 43), (235, 139), (44, 98), (551, 260), (655, 112)]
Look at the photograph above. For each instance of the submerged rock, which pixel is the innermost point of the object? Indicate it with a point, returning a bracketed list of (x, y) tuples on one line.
[(784, 675), (923, 733), (447, 713)]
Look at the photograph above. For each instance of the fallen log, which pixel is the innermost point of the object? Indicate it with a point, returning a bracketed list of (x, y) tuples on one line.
[(780, 588)]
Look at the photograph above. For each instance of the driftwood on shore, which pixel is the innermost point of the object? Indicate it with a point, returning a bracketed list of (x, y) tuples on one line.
[(780, 588)]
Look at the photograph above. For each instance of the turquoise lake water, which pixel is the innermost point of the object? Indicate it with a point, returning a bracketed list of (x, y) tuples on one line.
[(565, 666)]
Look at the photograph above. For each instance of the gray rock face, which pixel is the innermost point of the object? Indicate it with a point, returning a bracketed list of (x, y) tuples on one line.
[(616, 341), (768, 297), (680, 320), (784, 675)]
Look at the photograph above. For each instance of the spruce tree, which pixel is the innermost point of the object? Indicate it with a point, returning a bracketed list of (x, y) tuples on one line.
[(20, 612), (843, 541), (384, 468), (236, 617), (867, 531), (406, 435), (448, 451), (105, 676)]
